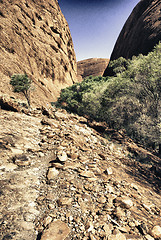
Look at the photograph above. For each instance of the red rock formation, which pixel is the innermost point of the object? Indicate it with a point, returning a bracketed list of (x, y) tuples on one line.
[(35, 38), (141, 32), (91, 67)]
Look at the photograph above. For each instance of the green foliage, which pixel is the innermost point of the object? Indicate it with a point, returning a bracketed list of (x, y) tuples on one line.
[(21, 83), (119, 65), (130, 100)]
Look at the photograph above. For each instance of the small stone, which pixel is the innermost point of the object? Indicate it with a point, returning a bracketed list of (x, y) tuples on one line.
[(47, 221), (27, 225), (9, 167), (21, 160), (57, 230), (57, 165), (29, 217), (119, 213), (147, 207), (107, 228), (132, 224), (41, 154), (69, 165), (102, 199), (52, 173), (124, 202), (118, 236), (109, 171), (148, 237), (125, 229), (133, 237), (51, 206), (89, 226), (156, 232), (65, 201), (60, 115), (62, 156), (110, 189), (16, 151), (87, 174)]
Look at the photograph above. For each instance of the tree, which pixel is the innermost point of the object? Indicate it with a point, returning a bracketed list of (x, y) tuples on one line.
[(21, 83)]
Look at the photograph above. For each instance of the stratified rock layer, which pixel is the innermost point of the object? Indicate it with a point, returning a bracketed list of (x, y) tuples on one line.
[(141, 32), (35, 38), (91, 67)]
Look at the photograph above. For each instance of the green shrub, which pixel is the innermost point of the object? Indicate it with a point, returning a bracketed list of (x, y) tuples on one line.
[(130, 100), (21, 83)]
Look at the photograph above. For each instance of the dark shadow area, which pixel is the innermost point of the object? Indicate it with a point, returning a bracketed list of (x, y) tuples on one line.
[(39, 236), (146, 171), (7, 106)]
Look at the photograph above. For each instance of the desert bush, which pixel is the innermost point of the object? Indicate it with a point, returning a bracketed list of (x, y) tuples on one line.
[(21, 83), (130, 100)]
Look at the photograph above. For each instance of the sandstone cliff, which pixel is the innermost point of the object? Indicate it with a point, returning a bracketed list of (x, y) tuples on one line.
[(91, 67), (141, 32), (35, 38)]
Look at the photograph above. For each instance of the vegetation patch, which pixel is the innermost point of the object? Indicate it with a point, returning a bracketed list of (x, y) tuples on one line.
[(130, 100)]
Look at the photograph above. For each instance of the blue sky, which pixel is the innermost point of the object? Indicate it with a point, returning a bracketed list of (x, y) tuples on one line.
[(95, 24)]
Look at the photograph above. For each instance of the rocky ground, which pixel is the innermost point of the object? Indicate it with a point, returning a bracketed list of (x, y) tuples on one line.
[(61, 179)]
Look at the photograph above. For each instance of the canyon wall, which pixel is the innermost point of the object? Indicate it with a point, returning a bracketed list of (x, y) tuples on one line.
[(35, 39), (141, 32)]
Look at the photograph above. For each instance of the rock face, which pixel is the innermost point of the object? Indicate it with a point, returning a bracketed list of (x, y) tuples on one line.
[(141, 32), (91, 67), (35, 38)]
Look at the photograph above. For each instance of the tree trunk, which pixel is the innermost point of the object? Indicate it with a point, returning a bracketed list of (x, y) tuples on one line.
[(27, 96), (159, 149)]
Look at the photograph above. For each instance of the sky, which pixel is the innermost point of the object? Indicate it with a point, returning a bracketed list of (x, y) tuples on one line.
[(95, 24)]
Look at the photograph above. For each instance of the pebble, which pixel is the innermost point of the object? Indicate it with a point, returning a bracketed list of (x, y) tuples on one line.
[(124, 202), (64, 201), (118, 236), (109, 171), (29, 217), (52, 173), (148, 237), (156, 232), (87, 174), (62, 156), (47, 221)]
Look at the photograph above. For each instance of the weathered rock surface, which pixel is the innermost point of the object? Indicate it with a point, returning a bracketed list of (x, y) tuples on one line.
[(91, 67), (57, 231), (141, 32), (35, 38)]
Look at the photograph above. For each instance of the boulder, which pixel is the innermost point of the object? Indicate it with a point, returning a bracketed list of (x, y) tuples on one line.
[(57, 230)]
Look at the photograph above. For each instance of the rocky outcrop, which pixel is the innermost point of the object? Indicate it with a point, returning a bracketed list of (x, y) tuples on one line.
[(35, 39), (91, 67), (141, 32)]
